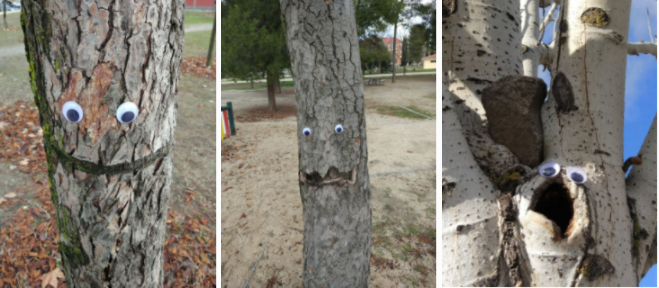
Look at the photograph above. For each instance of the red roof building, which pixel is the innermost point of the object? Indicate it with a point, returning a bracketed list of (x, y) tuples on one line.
[(388, 41), (199, 3)]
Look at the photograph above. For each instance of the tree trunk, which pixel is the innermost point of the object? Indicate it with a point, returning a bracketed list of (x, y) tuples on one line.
[(270, 80), (209, 57), (393, 75), (110, 182), (4, 13), (278, 85), (597, 233), (334, 183)]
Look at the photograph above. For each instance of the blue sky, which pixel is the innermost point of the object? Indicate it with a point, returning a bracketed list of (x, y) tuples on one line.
[(640, 90)]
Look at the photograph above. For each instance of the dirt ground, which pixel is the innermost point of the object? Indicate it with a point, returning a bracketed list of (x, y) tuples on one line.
[(261, 199)]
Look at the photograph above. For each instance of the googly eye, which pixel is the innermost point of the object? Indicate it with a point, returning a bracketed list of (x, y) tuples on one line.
[(306, 131), (127, 112), (577, 175), (338, 129), (72, 112), (549, 169)]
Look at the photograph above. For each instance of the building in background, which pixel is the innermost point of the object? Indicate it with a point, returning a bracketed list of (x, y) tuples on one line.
[(430, 62), (200, 4), (389, 41)]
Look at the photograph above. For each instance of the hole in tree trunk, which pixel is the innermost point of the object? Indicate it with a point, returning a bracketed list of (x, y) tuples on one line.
[(557, 205)]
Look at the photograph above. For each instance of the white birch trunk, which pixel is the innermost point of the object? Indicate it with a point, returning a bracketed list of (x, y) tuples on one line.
[(586, 236)]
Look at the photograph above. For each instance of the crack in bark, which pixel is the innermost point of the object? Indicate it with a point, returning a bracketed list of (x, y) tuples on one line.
[(108, 36)]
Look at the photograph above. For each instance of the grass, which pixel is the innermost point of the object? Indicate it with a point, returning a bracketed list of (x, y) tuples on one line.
[(198, 17), (196, 44), (400, 112), (248, 86), (14, 34)]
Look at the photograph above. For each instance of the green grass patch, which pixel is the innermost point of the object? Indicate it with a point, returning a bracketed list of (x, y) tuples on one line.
[(199, 17), (248, 86), (196, 44), (404, 113), (13, 35)]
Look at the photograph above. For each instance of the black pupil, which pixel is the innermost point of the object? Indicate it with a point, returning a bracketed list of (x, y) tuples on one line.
[(307, 133), (338, 129), (127, 117), (549, 171), (73, 115), (576, 177)]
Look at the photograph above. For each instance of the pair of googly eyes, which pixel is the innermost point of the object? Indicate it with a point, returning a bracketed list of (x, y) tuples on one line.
[(126, 112), (338, 129), (551, 169)]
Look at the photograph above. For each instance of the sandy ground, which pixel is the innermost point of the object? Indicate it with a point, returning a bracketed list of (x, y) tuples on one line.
[(260, 198)]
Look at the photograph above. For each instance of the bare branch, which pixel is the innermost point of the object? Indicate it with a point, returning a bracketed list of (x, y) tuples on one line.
[(642, 197), (548, 18), (650, 27), (642, 48)]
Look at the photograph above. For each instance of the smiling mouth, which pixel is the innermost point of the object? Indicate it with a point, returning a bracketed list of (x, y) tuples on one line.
[(333, 176)]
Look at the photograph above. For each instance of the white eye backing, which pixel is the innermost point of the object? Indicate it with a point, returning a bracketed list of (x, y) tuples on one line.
[(72, 112), (306, 131), (127, 112), (338, 129), (577, 175), (549, 169)]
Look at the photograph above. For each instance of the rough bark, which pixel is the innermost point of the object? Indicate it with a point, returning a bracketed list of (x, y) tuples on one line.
[(110, 182), (334, 183)]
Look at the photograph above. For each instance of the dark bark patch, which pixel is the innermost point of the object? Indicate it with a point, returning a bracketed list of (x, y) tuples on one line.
[(594, 266)]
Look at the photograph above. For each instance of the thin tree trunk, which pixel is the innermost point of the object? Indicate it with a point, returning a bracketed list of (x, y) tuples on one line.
[(393, 75), (110, 182), (270, 80), (334, 183), (4, 13), (209, 57)]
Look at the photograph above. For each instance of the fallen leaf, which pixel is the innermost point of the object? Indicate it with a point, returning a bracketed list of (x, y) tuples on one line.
[(50, 278), (242, 216), (24, 162), (408, 151), (10, 195), (2, 200)]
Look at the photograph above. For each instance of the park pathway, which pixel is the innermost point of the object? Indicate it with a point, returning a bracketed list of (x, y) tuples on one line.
[(19, 49), (365, 76)]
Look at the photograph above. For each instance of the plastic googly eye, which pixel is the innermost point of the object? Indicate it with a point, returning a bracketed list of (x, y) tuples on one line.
[(338, 129), (549, 169), (127, 112), (577, 175), (72, 112), (306, 131)]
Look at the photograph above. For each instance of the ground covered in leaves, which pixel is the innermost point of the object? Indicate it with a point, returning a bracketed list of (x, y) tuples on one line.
[(197, 66)]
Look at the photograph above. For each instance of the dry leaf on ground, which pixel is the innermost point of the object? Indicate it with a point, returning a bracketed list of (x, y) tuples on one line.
[(50, 278), (10, 195)]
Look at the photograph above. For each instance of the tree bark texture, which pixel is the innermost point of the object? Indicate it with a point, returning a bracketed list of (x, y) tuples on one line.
[(334, 183), (110, 182)]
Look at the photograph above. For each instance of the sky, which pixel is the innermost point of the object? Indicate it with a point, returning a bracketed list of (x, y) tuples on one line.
[(640, 89)]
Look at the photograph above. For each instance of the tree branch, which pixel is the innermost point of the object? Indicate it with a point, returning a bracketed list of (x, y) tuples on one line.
[(642, 195), (642, 47), (548, 18)]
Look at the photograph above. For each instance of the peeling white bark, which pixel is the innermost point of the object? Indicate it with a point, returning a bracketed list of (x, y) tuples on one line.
[(642, 188), (530, 19)]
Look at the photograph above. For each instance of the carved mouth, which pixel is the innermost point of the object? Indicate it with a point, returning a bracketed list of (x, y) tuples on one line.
[(333, 176)]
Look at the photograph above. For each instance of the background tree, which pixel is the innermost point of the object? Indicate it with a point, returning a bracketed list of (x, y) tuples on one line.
[(373, 16), (110, 182), (374, 53), (334, 182), (428, 14), (405, 55), (253, 42), (417, 41), (503, 222)]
